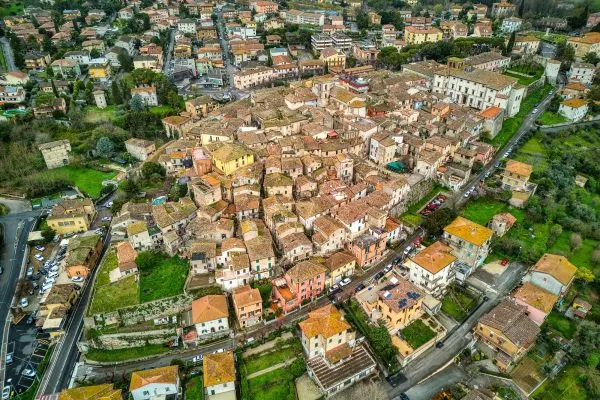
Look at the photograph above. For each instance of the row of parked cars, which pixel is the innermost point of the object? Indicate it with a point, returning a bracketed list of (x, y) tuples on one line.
[(433, 205)]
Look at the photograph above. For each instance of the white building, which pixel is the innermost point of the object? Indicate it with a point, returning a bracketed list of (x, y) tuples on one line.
[(147, 94), (219, 376), (100, 98), (573, 109), (582, 72), (341, 41), (432, 269), (512, 24), (320, 41), (187, 26), (155, 384), (210, 316)]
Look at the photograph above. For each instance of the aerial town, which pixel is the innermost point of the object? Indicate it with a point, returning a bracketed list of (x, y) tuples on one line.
[(299, 199)]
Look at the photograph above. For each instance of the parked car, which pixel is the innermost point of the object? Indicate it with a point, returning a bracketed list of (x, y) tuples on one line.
[(379, 275), (77, 279), (40, 248), (29, 372), (24, 302), (408, 250), (9, 358), (334, 288), (345, 282), (197, 358), (504, 262), (360, 287), (29, 271), (39, 257), (6, 392), (49, 281), (106, 218), (76, 286), (388, 268), (29, 320)]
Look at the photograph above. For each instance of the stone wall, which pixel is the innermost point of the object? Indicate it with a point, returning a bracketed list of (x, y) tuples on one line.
[(415, 194), (132, 339)]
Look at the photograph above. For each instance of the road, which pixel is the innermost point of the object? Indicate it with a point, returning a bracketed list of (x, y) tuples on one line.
[(16, 229), (436, 383), (169, 53), (8, 55)]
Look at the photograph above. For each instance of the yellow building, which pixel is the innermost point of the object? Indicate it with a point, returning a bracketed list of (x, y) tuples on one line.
[(72, 216), (54, 306), (229, 157), (96, 392), (590, 42), (417, 35), (339, 265), (334, 58), (100, 70), (516, 175)]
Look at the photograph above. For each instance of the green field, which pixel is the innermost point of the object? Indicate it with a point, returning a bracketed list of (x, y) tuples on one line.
[(511, 125), (275, 385), (95, 114), (524, 80), (533, 152), (194, 389), (417, 334), (568, 385), (564, 326), (550, 118), (108, 298), (88, 180), (483, 209), (125, 354), (166, 278), (262, 361), (457, 304)]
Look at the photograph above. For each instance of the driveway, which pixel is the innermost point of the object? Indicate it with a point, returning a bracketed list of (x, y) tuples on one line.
[(436, 383)]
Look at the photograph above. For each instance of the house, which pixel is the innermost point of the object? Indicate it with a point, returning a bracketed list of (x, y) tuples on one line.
[(210, 316), (329, 235), (511, 24), (12, 94), (250, 77), (369, 247), (229, 157), (538, 302), (126, 265), (398, 303), (493, 118), (508, 331), (580, 308), (261, 256), (56, 154), (203, 257), (37, 59), (573, 109), (72, 216), (382, 148), (140, 148), (199, 106), (301, 283), (432, 269), (247, 303), (582, 72), (147, 95), (589, 42), (503, 9), (55, 305), (516, 176), (67, 69), (553, 273), (99, 70), (333, 58), (336, 360), (143, 237), (470, 242), (296, 246), (278, 184), (339, 265), (83, 253), (14, 78), (174, 216), (501, 223), (156, 383), (219, 376), (420, 35), (104, 391)]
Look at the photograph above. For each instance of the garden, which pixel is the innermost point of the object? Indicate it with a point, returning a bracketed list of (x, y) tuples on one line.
[(457, 304), (87, 180), (417, 333), (107, 296), (284, 351), (550, 118), (194, 388), (412, 213), (160, 276)]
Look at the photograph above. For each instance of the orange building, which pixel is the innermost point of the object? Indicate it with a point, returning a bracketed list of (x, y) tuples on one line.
[(369, 247)]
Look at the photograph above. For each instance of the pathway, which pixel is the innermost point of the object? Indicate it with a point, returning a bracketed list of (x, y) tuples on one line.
[(271, 368), (268, 345)]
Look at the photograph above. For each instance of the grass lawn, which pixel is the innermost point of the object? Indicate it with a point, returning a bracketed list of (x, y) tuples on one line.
[(561, 324), (122, 293), (165, 279), (259, 362), (161, 110), (524, 80), (568, 385), (417, 334), (95, 114), (483, 209), (88, 180), (451, 307), (108, 264), (511, 125), (550, 118), (533, 152), (125, 354), (275, 385), (194, 389)]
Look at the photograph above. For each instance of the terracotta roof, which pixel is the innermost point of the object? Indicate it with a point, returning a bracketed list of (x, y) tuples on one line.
[(245, 295), (536, 297), (218, 368), (507, 218), (509, 318), (326, 321), (469, 231), (556, 266), (305, 270), (209, 308), (491, 112), (574, 103), (140, 379), (519, 168), (126, 256), (339, 259), (434, 258), (95, 392)]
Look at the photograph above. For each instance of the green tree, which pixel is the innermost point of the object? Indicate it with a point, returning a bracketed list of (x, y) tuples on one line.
[(362, 20), (585, 275), (136, 103), (105, 147), (116, 93), (48, 233), (591, 57), (511, 44), (436, 221), (89, 92), (151, 168), (125, 61)]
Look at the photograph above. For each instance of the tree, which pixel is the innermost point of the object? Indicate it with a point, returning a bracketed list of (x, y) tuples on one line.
[(150, 168), (435, 223), (575, 241), (362, 20), (116, 93), (565, 52), (596, 257), (136, 103), (511, 44), (585, 342), (48, 233), (130, 187), (585, 275), (521, 7), (555, 232), (105, 147), (125, 61), (591, 57), (89, 92)]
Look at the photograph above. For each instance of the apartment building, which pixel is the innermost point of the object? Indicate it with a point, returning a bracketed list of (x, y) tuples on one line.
[(147, 95), (141, 149), (432, 269), (420, 35), (72, 216), (582, 72), (320, 41), (252, 77), (304, 18), (470, 242), (247, 303)]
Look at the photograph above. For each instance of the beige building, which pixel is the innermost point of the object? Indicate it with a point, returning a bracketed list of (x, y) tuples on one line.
[(339, 265), (419, 35), (72, 216), (56, 154), (251, 77), (247, 303), (432, 269), (470, 242), (516, 175), (140, 148)]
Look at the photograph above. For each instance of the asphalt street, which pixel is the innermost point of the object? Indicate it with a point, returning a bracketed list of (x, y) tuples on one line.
[(16, 229), (436, 383), (8, 55)]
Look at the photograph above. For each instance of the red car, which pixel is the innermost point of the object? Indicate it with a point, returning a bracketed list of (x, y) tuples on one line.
[(504, 262), (441, 197)]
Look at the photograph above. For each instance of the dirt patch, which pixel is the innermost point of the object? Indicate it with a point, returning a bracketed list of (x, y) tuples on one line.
[(527, 375), (307, 389)]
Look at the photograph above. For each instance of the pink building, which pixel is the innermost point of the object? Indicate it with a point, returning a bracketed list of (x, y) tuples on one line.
[(539, 302), (304, 281)]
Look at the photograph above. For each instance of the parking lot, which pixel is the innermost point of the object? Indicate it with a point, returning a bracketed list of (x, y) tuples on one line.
[(433, 205)]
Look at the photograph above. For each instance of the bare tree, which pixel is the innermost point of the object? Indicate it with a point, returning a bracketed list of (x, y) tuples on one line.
[(596, 257), (575, 241)]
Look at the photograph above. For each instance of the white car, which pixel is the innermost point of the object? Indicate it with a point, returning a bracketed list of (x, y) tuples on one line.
[(106, 218), (29, 372), (6, 392), (29, 271), (535, 111), (39, 257), (197, 358), (49, 280), (24, 302), (407, 250), (345, 282), (40, 248), (77, 279)]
